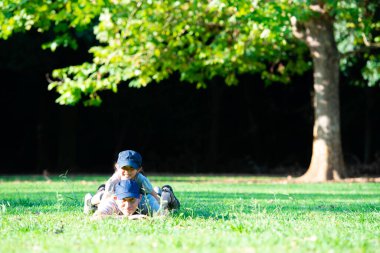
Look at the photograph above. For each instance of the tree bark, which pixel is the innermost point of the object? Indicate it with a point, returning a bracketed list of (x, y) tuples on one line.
[(327, 158)]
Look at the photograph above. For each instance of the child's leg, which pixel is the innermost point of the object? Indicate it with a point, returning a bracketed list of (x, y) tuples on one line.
[(88, 208), (153, 203), (98, 195), (157, 190), (149, 203), (91, 202), (168, 199)]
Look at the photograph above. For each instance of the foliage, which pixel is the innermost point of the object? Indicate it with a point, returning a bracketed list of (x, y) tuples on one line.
[(147, 41), (262, 217), (61, 16), (358, 36)]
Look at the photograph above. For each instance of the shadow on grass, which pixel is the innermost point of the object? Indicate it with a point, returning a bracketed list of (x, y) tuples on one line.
[(216, 205), (217, 196), (56, 178)]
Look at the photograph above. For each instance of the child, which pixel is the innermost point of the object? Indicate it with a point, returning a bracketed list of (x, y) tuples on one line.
[(125, 202), (129, 166)]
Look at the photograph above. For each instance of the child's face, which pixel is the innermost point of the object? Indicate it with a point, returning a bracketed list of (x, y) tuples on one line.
[(128, 206), (128, 172)]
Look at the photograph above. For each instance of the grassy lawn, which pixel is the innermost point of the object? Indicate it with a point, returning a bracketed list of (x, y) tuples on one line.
[(218, 214)]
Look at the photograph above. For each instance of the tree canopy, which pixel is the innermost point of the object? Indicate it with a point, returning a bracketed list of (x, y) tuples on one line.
[(145, 41)]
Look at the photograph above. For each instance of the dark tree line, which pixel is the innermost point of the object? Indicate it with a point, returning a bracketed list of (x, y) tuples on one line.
[(248, 128)]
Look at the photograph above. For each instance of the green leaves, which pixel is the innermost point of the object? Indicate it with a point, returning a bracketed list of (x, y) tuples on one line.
[(371, 71), (145, 41)]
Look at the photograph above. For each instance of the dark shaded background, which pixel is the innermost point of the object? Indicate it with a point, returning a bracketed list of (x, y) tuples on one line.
[(249, 128)]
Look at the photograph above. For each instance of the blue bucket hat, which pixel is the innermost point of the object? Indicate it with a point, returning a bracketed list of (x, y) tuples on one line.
[(129, 158), (127, 189)]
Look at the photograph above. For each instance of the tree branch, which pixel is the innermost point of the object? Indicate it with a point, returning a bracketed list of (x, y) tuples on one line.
[(369, 44), (296, 29), (48, 78), (360, 50), (317, 8), (132, 15)]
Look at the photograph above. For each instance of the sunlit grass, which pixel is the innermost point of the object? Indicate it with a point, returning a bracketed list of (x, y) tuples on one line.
[(218, 214)]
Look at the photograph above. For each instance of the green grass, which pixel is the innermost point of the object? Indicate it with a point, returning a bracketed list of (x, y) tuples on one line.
[(218, 214)]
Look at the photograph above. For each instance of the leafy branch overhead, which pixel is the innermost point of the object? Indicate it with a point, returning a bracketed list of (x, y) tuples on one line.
[(146, 41)]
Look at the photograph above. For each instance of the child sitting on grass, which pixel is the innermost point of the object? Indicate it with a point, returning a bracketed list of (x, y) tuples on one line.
[(129, 166)]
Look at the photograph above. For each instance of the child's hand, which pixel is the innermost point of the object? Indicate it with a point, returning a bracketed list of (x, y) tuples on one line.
[(137, 217)]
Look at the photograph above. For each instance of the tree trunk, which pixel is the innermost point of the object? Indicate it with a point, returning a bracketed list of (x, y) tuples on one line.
[(327, 158)]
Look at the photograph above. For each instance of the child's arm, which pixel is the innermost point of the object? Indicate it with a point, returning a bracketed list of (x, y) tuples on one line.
[(110, 184), (99, 216), (147, 186), (137, 217)]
